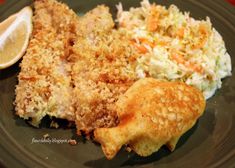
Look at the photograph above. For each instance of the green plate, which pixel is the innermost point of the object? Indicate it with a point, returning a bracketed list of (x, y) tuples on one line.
[(210, 143)]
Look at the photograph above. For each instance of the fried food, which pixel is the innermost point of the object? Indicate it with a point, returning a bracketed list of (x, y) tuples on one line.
[(74, 68), (84, 70), (103, 70), (152, 113), (44, 81)]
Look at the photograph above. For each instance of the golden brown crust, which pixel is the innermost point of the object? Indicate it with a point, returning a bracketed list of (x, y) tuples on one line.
[(102, 70), (44, 82), (79, 65), (152, 113)]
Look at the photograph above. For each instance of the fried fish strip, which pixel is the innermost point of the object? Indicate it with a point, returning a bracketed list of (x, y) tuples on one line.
[(152, 113), (103, 70), (44, 82)]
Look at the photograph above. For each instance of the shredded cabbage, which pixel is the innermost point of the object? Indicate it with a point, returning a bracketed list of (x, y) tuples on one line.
[(176, 47)]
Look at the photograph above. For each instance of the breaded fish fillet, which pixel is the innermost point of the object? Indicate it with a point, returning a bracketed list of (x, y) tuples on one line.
[(44, 81), (103, 70), (152, 113)]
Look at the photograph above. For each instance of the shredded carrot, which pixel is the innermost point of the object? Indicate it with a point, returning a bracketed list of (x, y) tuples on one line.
[(192, 66), (204, 36), (203, 30), (178, 58), (149, 43), (141, 39), (181, 32), (200, 44), (152, 20), (146, 41), (162, 43), (142, 49), (197, 68)]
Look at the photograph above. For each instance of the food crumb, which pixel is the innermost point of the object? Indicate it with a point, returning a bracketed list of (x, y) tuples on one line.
[(46, 136), (54, 124), (128, 149), (72, 142)]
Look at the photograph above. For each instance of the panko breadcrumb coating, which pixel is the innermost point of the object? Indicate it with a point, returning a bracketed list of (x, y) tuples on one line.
[(73, 66), (103, 70), (44, 81)]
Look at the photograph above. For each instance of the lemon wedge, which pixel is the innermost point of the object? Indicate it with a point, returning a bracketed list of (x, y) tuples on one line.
[(15, 33)]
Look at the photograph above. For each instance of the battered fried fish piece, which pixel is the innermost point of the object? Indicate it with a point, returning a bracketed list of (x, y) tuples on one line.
[(103, 70), (44, 81), (152, 113)]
